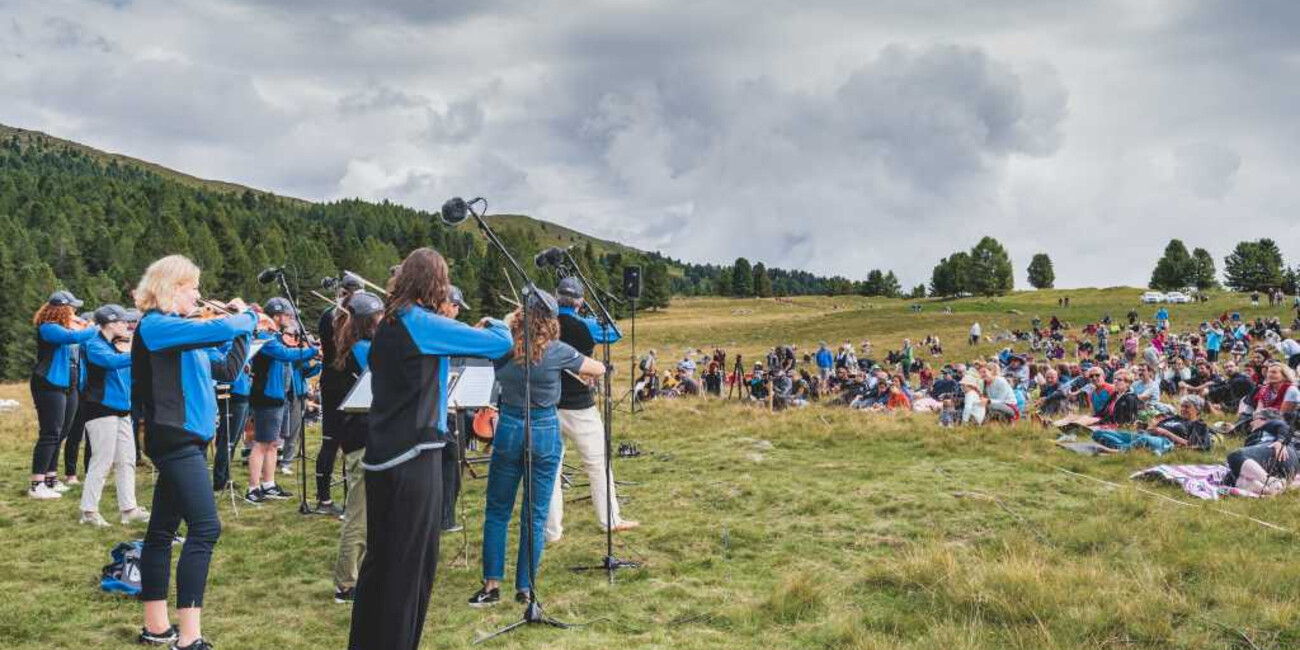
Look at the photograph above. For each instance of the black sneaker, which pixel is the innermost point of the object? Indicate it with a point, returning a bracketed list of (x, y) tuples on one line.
[(275, 492), (344, 596), (199, 644), (161, 638), (255, 496), (485, 598), (330, 509), (521, 597)]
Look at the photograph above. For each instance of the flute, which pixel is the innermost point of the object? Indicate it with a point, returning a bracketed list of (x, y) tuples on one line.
[(368, 283)]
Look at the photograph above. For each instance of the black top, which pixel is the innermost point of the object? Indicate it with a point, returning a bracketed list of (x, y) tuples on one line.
[(334, 383), (574, 394)]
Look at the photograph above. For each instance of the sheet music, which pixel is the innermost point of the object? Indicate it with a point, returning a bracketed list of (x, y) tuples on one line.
[(473, 387), (359, 398), (256, 347)]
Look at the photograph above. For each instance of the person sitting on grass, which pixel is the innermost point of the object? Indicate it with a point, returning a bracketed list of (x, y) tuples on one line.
[(973, 403), (1121, 410), (999, 397), (1266, 463), (1186, 429)]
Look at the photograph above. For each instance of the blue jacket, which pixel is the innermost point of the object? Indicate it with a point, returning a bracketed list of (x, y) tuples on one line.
[(408, 373), (172, 371), (302, 371), (824, 358), (54, 352), (593, 325), (108, 381), (273, 372)]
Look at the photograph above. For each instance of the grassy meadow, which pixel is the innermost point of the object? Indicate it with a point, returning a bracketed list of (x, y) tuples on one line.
[(811, 528)]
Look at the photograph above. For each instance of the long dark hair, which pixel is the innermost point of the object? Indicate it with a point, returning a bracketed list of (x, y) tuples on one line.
[(422, 280), (349, 329), (545, 328)]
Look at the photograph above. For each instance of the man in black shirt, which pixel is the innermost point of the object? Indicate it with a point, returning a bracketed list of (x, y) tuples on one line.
[(579, 418)]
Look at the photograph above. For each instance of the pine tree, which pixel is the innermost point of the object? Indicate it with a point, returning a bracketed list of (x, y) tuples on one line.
[(1174, 270), (722, 285), (890, 287), (656, 292), (762, 283), (742, 279), (1041, 274), (991, 272), (1254, 266), (1204, 275)]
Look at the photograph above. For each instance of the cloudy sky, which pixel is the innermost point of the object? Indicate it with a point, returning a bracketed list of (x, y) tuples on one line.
[(831, 135)]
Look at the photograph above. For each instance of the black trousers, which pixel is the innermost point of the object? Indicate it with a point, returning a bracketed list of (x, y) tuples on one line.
[(450, 481), (331, 425), (53, 417), (403, 510), (69, 422), (76, 434)]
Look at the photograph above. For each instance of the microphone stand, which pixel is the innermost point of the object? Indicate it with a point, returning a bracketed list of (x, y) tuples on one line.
[(533, 613), (301, 433), (609, 563)]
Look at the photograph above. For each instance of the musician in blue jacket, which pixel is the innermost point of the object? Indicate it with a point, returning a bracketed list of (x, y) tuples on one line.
[(106, 408), (269, 400), (403, 452), (54, 382), (296, 403), (174, 361)]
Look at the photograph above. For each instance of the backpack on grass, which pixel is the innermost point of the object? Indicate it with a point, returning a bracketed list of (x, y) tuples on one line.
[(122, 575)]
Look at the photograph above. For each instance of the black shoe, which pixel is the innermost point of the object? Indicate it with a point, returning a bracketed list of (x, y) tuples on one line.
[(485, 598), (521, 597), (255, 496), (344, 596), (162, 638), (199, 644), (275, 492), (330, 508)]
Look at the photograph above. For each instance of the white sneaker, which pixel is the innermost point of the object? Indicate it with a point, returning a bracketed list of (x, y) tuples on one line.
[(94, 519), (60, 487), (138, 515), (287, 471), (44, 492)]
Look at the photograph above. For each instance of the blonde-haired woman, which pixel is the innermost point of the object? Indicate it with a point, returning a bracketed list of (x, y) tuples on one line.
[(54, 386), (174, 361)]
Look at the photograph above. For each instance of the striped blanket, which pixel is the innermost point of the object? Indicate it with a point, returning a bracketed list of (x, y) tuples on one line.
[(1200, 481)]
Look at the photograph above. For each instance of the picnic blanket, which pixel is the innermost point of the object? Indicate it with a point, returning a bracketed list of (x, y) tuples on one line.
[(1200, 481), (1127, 440)]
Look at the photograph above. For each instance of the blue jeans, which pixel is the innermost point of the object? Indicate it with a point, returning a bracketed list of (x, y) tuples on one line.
[(504, 475), (183, 492)]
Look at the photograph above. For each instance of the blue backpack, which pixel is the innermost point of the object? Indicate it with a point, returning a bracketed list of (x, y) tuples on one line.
[(122, 575)]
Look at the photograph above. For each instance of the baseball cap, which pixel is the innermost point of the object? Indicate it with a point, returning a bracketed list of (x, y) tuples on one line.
[(133, 315), (110, 314), (277, 306), (61, 297), (456, 297), (570, 287), (538, 298), (351, 282), (363, 304)]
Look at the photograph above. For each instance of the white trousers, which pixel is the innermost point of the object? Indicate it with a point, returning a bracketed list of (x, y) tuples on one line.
[(111, 443), (586, 433)]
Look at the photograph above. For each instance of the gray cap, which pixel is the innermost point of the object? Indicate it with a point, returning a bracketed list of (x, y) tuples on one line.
[(110, 314), (364, 304), (86, 315), (62, 297), (570, 287), (538, 298), (456, 297), (133, 315), (351, 283), (277, 306)]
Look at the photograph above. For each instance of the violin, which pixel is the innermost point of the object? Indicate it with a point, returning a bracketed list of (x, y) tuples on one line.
[(122, 343)]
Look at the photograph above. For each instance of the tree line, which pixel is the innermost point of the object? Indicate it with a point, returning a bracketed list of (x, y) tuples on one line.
[(71, 220), (1251, 266)]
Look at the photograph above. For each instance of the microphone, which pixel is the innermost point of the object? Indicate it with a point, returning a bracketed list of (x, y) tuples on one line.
[(267, 276), (552, 256), (456, 210)]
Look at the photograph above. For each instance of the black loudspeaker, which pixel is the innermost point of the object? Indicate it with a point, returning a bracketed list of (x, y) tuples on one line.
[(632, 282)]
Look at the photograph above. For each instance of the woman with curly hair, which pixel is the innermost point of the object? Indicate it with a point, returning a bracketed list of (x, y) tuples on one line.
[(54, 382)]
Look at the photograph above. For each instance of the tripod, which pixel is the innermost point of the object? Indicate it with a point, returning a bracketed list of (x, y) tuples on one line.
[(737, 374), (454, 212), (609, 563)]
